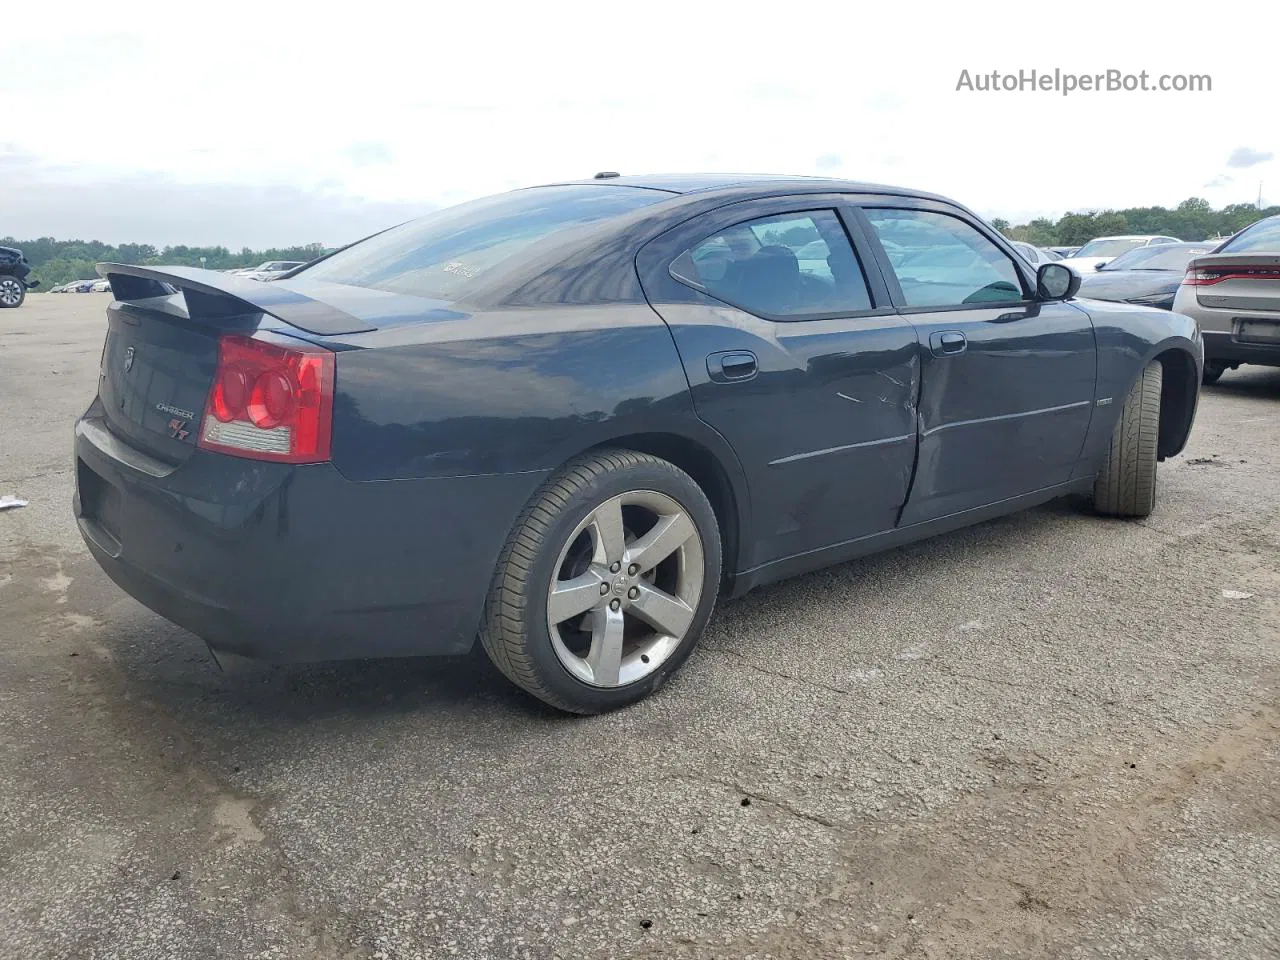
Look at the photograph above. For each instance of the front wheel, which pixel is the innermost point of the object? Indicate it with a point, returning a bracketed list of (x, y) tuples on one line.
[(12, 291), (606, 582), (1126, 487)]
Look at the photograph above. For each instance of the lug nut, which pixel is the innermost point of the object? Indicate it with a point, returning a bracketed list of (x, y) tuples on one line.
[(633, 569), (604, 588), (633, 593), (615, 568), (615, 604)]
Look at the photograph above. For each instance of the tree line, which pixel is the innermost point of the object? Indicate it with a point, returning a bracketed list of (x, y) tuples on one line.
[(1192, 219), (61, 261)]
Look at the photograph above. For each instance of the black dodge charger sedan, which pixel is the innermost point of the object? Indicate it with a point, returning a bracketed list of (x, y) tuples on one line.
[(566, 419), (1149, 276)]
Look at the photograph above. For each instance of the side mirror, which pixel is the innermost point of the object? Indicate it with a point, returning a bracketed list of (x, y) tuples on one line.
[(1056, 282), (1099, 265)]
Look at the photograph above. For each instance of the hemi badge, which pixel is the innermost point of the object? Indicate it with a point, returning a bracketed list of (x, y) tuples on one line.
[(1104, 402)]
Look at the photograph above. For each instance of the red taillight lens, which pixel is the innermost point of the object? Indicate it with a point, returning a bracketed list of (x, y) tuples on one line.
[(1208, 276), (270, 402)]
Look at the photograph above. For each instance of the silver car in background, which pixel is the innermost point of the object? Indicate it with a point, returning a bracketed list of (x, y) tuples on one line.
[(1234, 295)]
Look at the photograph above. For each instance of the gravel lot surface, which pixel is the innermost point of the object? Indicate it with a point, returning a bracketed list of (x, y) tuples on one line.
[(1049, 735)]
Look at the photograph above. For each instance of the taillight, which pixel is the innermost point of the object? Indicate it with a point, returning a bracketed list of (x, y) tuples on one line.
[(1207, 276), (270, 402)]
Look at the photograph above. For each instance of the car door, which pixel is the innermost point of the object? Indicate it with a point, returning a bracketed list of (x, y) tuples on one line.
[(1007, 382), (796, 356)]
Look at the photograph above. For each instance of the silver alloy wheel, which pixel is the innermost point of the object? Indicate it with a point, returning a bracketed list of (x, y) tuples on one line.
[(10, 291), (620, 618)]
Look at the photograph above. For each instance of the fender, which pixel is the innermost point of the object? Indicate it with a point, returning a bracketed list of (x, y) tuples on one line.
[(1129, 337)]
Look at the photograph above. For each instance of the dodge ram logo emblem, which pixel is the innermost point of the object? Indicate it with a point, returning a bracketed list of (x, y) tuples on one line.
[(128, 360)]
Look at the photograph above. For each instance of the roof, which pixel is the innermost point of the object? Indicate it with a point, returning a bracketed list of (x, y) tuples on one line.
[(688, 183)]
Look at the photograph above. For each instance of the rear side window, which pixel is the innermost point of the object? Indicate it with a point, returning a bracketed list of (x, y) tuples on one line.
[(785, 267), (1262, 237), (447, 254), (941, 261)]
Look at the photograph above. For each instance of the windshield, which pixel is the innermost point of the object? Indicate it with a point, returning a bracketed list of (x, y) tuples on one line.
[(1108, 248), (1261, 236), (443, 254), (1159, 257)]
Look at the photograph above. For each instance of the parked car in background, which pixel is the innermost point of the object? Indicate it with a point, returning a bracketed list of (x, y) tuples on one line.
[(14, 271), (75, 286), (272, 269), (101, 286), (1102, 250), (1036, 256), (604, 404), (1147, 275), (1064, 252), (1233, 293)]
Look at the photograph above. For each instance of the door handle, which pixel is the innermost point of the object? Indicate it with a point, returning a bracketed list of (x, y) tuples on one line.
[(730, 365), (946, 343)]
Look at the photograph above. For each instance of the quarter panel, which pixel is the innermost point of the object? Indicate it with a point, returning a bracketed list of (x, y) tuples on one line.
[(503, 392)]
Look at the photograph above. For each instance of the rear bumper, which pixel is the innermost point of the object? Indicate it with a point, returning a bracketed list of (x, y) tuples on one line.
[(1223, 348), (295, 563)]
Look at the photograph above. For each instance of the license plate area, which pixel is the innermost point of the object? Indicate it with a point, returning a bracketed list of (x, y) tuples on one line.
[(99, 500), (1250, 330)]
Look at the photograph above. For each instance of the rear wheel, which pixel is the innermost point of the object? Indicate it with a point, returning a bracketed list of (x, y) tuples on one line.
[(605, 584), (1126, 487), (12, 291), (1213, 371)]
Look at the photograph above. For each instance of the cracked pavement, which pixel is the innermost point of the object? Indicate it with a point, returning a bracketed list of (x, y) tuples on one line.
[(1049, 735)]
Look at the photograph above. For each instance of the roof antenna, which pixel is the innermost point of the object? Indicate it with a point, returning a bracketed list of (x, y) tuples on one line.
[(606, 175)]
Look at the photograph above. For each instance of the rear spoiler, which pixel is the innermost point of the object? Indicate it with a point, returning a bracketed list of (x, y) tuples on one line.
[(212, 295)]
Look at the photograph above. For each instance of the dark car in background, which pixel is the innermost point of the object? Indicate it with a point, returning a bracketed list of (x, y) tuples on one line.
[(1148, 275), (567, 419), (14, 271), (1233, 294)]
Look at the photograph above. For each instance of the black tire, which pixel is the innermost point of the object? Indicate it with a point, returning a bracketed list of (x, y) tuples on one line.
[(1213, 372), (1126, 487), (515, 633), (12, 291)]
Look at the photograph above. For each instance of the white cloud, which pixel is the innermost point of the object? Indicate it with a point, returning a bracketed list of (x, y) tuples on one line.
[(408, 107)]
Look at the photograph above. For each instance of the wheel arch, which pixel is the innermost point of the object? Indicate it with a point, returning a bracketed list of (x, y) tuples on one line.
[(1179, 397)]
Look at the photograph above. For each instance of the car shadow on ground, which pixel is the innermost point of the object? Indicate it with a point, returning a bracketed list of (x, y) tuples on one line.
[(1249, 381), (165, 665)]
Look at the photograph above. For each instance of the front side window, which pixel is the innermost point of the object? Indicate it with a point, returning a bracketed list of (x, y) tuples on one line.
[(1263, 236), (942, 261), (783, 267)]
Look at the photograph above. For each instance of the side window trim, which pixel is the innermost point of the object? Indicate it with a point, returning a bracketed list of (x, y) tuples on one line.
[(896, 297), (881, 304)]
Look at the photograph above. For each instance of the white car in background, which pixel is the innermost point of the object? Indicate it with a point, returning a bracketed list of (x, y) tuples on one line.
[(1102, 250), (271, 270)]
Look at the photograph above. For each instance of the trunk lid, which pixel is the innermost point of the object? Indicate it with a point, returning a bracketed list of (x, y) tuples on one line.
[(161, 349), (157, 367)]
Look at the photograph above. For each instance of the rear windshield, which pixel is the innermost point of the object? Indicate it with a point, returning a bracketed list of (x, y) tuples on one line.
[(1263, 236), (1160, 257), (446, 254), (1108, 248)]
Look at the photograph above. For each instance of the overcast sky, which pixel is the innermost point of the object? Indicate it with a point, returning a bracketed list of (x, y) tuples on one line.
[(271, 124)]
